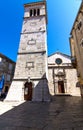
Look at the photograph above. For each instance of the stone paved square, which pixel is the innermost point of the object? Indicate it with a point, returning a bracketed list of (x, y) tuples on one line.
[(62, 113)]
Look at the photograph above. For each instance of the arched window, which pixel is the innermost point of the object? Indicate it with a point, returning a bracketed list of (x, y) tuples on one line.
[(38, 11), (31, 12), (34, 12)]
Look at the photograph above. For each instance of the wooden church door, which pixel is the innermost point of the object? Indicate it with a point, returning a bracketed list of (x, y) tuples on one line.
[(61, 87), (28, 91)]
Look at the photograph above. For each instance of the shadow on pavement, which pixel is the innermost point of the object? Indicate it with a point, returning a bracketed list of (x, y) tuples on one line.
[(62, 113)]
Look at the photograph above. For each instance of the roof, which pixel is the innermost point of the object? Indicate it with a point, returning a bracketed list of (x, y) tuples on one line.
[(65, 55), (34, 3), (9, 60), (76, 16)]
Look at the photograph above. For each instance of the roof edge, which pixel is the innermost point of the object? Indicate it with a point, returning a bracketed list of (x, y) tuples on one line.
[(35, 3), (60, 54), (3, 56)]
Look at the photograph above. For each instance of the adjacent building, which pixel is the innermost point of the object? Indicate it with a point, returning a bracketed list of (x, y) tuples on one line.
[(76, 45), (7, 67)]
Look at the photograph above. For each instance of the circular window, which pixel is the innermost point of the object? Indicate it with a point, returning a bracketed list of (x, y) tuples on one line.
[(58, 61)]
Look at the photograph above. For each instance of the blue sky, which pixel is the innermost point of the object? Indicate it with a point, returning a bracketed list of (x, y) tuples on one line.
[(61, 16)]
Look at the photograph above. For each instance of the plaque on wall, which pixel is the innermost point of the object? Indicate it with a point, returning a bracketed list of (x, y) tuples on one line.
[(31, 42), (29, 64)]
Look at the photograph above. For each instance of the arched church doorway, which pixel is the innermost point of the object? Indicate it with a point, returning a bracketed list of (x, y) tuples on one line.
[(28, 91), (61, 87)]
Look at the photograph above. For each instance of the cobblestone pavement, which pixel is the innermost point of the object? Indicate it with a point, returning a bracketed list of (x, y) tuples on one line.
[(62, 113)]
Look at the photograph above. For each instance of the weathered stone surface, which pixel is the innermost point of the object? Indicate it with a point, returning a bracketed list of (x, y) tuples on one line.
[(32, 56), (69, 75)]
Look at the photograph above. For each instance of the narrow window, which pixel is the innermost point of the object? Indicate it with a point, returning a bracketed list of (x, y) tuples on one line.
[(31, 12), (34, 12), (38, 11)]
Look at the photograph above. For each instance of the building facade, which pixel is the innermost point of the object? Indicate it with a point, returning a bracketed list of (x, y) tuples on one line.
[(7, 67), (35, 78), (76, 45), (31, 73), (62, 76)]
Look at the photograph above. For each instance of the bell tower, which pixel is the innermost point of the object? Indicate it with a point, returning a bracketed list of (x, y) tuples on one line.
[(32, 55)]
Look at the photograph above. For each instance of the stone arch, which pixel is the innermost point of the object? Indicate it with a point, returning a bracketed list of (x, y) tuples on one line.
[(38, 12), (34, 12), (31, 12), (61, 88), (28, 90)]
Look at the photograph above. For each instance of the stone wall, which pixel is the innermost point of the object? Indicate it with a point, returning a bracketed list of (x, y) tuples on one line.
[(30, 65), (70, 82), (76, 42), (32, 55)]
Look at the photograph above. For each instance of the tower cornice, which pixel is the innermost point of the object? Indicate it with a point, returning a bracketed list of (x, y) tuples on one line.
[(34, 3)]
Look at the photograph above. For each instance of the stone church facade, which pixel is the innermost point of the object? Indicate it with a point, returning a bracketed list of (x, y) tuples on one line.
[(62, 76)]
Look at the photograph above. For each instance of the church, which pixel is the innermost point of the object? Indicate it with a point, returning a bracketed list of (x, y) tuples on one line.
[(37, 77), (62, 76)]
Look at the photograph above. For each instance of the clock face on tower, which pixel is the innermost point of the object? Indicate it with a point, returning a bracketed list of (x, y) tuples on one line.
[(58, 61)]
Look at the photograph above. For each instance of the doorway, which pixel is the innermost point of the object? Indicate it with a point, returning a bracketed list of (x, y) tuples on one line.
[(61, 87), (28, 91)]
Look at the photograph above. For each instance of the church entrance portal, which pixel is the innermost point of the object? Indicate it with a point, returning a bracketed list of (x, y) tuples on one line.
[(61, 87), (28, 91)]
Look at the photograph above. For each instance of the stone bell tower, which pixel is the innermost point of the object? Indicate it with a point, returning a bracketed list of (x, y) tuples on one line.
[(32, 55)]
